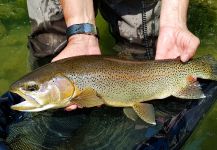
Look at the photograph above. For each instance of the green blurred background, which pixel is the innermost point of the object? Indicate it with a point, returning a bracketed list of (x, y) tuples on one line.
[(14, 29)]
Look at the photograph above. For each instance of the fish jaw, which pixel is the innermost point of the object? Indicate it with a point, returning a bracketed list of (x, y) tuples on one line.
[(26, 106), (29, 107), (31, 104), (28, 103)]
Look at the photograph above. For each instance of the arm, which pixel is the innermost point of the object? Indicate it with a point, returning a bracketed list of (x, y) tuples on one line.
[(175, 40), (76, 12)]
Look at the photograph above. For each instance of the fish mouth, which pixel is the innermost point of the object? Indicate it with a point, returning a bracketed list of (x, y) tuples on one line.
[(29, 104)]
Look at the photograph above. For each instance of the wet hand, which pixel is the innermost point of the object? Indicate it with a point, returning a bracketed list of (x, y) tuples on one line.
[(176, 42)]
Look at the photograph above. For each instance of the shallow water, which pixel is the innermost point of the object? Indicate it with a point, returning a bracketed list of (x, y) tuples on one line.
[(14, 29)]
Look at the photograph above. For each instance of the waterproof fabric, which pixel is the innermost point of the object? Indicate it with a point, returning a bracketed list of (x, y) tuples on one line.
[(125, 18), (48, 37), (103, 128)]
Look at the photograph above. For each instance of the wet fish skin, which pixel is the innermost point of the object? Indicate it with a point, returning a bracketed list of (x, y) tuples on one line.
[(90, 81)]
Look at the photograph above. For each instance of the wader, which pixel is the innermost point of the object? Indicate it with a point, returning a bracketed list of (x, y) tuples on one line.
[(133, 23)]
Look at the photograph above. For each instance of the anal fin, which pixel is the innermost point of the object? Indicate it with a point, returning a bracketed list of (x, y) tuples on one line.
[(87, 98), (130, 113), (145, 112)]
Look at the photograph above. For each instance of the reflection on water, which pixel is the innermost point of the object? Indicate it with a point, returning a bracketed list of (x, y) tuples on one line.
[(97, 128), (13, 56), (103, 128)]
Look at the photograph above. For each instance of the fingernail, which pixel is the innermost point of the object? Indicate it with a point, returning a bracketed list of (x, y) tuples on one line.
[(72, 107)]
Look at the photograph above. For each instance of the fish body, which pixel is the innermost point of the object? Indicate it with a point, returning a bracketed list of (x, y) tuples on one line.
[(89, 81)]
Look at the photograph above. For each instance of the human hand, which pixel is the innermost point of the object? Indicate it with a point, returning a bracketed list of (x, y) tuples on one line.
[(176, 42), (80, 44)]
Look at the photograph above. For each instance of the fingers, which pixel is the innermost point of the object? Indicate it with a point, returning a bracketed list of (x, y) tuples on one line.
[(160, 52), (162, 49), (190, 48), (174, 42), (166, 50), (71, 107), (167, 53)]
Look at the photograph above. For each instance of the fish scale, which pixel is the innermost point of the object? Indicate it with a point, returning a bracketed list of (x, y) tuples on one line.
[(122, 78)]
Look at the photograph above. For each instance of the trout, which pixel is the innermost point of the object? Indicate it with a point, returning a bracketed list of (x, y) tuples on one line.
[(90, 81)]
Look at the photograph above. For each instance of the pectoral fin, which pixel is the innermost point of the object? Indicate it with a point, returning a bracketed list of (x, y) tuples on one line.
[(192, 91), (145, 112), (88, 98), (130, 113)]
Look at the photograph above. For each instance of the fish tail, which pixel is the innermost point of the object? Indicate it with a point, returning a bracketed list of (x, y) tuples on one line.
[(209, 64), (213, 64)]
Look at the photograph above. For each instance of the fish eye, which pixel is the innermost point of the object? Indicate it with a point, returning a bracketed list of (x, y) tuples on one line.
[(31, 86)]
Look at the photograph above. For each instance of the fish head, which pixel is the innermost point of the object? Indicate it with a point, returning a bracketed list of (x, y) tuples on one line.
[(42, 91)]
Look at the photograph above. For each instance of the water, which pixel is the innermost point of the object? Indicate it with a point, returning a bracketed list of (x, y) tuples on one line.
[(203, 17), (14, 29)]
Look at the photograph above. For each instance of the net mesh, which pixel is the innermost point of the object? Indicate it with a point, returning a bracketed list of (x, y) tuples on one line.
[(96, 128)]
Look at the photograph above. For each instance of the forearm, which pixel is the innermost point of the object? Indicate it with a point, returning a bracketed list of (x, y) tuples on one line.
[(174, 13), (78, 11)]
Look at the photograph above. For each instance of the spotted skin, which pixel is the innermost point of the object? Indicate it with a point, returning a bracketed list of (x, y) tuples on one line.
[(89, 81), (122, 82)]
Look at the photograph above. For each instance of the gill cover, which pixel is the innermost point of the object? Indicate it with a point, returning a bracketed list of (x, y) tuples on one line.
[(55, 93)]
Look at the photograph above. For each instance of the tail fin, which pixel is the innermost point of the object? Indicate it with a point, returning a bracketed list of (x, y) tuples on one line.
[(212, 65)]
